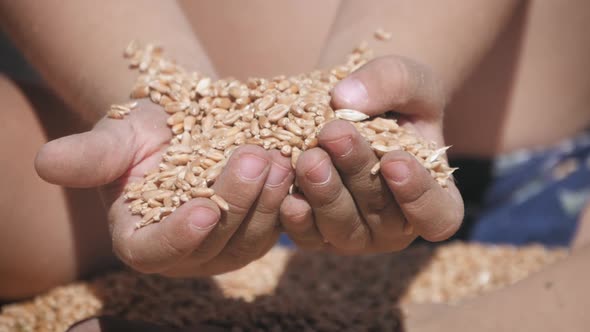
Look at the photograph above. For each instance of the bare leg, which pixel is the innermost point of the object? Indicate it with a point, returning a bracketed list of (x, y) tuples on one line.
[(49, 235)]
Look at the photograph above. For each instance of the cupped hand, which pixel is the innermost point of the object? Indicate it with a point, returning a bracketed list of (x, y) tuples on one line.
[(197, 238), (343, 208)]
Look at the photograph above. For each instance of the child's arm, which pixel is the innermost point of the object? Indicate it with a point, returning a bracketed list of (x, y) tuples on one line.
[(434, 46), (78, 48), (448, 36), (78, 45), (450, 39)]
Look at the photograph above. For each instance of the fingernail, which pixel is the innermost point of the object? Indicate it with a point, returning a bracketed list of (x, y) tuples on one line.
[(340, 147), (251, 166), (352, 92), (320, 174), (396, 171), (277, 175), (203, 218)]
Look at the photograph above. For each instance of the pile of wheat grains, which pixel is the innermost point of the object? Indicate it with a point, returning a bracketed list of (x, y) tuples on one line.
[(290, 291), (210, 119)]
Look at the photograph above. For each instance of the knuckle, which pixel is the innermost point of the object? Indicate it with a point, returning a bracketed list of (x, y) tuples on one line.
[(441, 98), (410, 78), (266, 208), (328, 196), (357, 165), (239, 208), (380, 202), (416, 199), (242, 201), (358, 233), (404, 80), (353, 238), (398, 77), (419, 191), (293, 217), (308, 160)]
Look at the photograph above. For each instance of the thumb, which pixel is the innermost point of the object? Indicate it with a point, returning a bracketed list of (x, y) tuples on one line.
[(391, 83), (88, 159)]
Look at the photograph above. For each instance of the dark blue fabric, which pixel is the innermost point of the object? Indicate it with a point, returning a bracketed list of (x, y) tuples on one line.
[(285, 241), (538, 197)]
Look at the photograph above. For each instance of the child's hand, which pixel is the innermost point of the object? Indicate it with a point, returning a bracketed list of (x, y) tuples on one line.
[(348, 210), (197, 239)]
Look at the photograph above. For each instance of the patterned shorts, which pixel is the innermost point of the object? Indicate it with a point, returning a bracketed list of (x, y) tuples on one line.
[(536, 196)]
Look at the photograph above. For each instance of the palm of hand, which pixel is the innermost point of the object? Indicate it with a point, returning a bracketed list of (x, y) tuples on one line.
[(197, 238)]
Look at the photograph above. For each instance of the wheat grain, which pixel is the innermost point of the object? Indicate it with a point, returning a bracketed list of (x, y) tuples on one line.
[(382, 35), (223, 205), (350, 115), (209, 119)]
